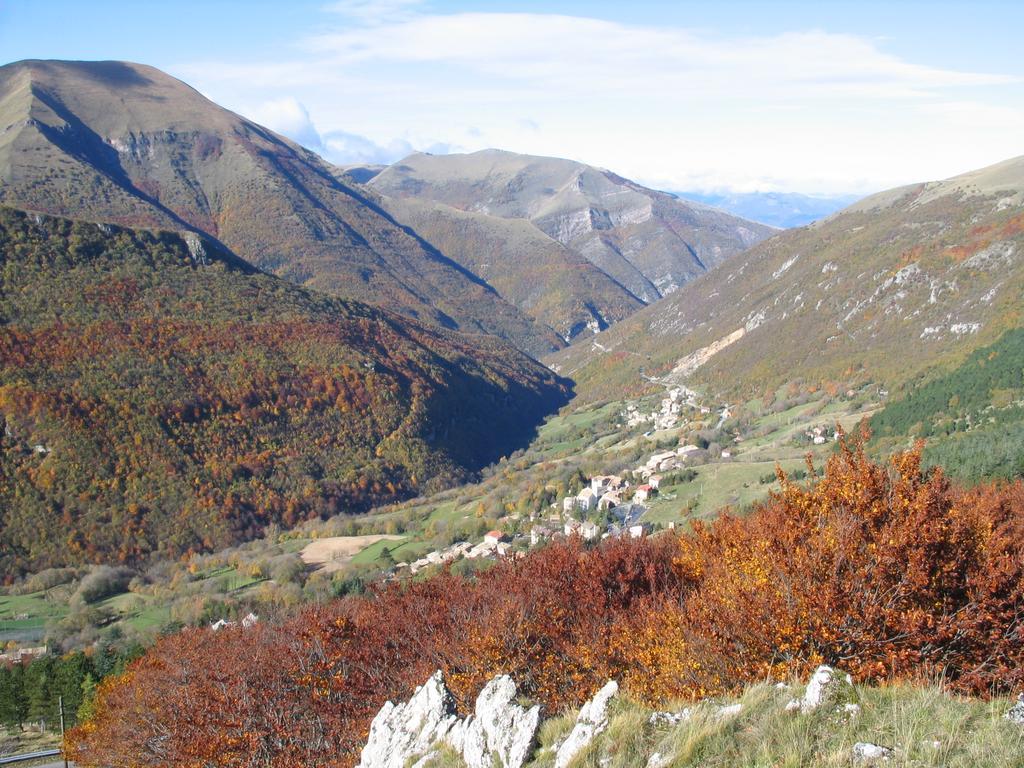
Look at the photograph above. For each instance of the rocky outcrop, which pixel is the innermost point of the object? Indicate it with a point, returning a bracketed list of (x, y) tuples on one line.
[(591, 721), (401, 732), (1016, 712), (826, 686), (499, 733)]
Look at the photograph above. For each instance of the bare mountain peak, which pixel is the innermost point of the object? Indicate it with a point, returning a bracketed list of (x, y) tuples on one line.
[(647, 242)]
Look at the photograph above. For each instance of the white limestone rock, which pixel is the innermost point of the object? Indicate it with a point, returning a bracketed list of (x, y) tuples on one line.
[(826, 685), (1016, 712), (670, 718), (500, 728), (401, 732), (870, 754), (730, 710), (590, 722)]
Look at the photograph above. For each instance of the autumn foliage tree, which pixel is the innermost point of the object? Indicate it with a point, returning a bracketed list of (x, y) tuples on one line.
[(882, 570), (886, 571)]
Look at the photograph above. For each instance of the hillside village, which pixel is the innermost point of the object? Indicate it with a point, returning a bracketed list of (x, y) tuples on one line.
[(612, 505)]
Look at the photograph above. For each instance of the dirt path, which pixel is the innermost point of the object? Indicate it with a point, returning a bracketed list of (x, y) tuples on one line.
[(336, 552)]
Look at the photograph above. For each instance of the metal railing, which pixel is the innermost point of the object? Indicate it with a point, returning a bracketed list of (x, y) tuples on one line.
[(29, 756)]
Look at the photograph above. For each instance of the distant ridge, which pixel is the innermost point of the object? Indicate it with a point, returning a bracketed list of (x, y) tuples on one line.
[(778, 209), (127, 144), (893, 287), (571, 245)]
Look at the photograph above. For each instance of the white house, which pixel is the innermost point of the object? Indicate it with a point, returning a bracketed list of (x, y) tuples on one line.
[(659, 458), (586, 499), (493, 538), (609, 500), (589, 530), (643, 493), (568, 504), (654, 481), (602, 483)]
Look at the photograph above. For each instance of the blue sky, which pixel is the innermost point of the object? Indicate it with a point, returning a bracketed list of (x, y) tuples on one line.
[(813, 97)]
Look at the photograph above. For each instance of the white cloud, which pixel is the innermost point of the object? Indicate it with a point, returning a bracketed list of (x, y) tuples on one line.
[(597, 55), (810, 111), (372, 12), (291, 118)]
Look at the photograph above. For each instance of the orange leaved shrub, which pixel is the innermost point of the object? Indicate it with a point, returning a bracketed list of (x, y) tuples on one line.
[(879, 569)]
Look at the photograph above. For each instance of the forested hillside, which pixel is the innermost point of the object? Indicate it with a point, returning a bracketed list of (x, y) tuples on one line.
[(973, 417), (159, 395)]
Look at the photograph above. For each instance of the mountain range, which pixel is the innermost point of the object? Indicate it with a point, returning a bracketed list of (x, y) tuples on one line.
[(571, 245), (885, 291), (208, 329), (779, 209), (127, 144)]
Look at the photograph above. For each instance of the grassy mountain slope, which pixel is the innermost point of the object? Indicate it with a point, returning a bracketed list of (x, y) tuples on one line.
[(158, 394), (898, 284), (127, 144), (648, 242), (549, 282)]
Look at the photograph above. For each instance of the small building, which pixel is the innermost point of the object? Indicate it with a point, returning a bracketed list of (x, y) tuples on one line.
[(568, 504), (250, 620), (659, 458), (21, 655), (603, 483), (540, 533), (587, 499), (726, 454), (654, 481), (589, 530), (643, 492), (494, 538), (636, 531), (609, 500), (571, 527)]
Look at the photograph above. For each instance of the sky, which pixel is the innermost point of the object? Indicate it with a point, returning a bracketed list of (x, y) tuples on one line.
[(812, 97)]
